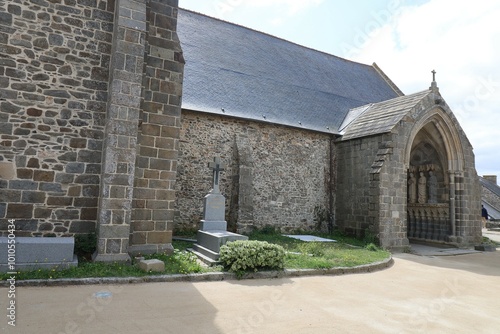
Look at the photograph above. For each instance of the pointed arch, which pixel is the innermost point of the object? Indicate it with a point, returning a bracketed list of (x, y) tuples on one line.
[(437, 130), (448, 133)]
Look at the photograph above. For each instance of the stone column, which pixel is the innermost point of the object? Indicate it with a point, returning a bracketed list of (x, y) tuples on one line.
[(244, 191), (120, 137), (156, 168), (452, 204)]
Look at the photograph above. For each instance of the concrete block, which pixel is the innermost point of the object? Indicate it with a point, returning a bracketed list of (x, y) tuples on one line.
[(485, 248), (152, 265)]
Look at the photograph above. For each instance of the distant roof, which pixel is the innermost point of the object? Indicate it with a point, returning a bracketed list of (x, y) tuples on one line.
[(241, 72), (490, 186), (378, 117), (493, 212)]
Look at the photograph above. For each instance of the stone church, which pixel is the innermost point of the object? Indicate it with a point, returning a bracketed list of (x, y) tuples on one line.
[(111, 109)]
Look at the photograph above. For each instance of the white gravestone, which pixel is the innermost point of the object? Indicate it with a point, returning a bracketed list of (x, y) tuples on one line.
[(214, 203), (213, 227)]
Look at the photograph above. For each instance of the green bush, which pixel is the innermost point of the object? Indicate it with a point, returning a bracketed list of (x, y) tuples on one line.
[(85, 246), (312, 248), (372, 247), (245, 255)]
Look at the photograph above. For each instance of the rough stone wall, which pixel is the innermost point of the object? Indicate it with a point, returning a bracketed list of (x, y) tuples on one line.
[(288, 170), (54, 59), (357, 189)]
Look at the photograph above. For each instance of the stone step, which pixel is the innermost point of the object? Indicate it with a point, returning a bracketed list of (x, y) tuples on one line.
[(205, 255)]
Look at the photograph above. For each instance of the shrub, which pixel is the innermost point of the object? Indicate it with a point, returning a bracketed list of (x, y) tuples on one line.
[(244, 255), (312, 248), (85, 245), (372, 247)]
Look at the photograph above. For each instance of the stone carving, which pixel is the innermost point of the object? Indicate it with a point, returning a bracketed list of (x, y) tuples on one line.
[(217, 166), (422, 189), (432, 184), (412, 189)]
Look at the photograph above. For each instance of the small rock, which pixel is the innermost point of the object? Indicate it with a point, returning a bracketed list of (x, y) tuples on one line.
[(152, 265)]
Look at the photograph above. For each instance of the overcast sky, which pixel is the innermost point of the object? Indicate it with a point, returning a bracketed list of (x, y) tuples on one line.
[(407, 39)]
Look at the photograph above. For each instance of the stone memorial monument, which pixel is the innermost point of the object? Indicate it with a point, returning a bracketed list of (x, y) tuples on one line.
[(213, 227)]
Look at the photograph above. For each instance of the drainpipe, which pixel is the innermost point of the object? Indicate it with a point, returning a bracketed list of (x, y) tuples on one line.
[(452, 203)]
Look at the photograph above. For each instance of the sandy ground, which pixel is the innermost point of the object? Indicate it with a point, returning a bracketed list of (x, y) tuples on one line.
[(418, 294)]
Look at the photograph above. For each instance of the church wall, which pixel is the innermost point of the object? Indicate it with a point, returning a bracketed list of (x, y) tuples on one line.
[(53, 90), (356, 211), (393, 231), (282, 173), (371, 190), (158, 134), (469, 191)]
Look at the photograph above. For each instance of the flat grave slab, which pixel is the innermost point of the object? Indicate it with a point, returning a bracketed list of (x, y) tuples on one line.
[(309, 238), (39, 253)]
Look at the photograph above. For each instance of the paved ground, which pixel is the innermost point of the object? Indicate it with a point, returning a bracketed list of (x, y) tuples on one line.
[(418, 294)]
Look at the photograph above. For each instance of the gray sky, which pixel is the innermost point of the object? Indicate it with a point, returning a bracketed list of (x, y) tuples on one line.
[(407, 39)]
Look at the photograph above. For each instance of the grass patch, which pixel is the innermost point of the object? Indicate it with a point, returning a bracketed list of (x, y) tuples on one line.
[(180, 262), (488, 241), (331, 256), (346, 252)]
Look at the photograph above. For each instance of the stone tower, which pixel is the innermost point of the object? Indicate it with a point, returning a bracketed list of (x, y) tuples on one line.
[(90, 94), (135, 210)]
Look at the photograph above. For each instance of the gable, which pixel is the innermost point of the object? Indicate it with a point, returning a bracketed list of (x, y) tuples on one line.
[(243, 73), (379, 117)]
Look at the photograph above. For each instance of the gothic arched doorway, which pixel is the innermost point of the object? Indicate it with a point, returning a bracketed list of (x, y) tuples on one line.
[(433, 171)]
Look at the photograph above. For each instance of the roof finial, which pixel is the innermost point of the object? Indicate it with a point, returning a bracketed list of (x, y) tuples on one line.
[(434, 86)]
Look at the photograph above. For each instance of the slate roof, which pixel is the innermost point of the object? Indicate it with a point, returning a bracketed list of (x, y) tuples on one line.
[(240, 72), (490, 186), (377, 118), (493, 213)]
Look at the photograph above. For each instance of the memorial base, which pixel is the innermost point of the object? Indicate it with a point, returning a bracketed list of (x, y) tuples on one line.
[(208, 244), (213, 225)]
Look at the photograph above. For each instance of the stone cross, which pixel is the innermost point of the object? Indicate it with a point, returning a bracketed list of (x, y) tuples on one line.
[(217, 166), (433, 75)]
